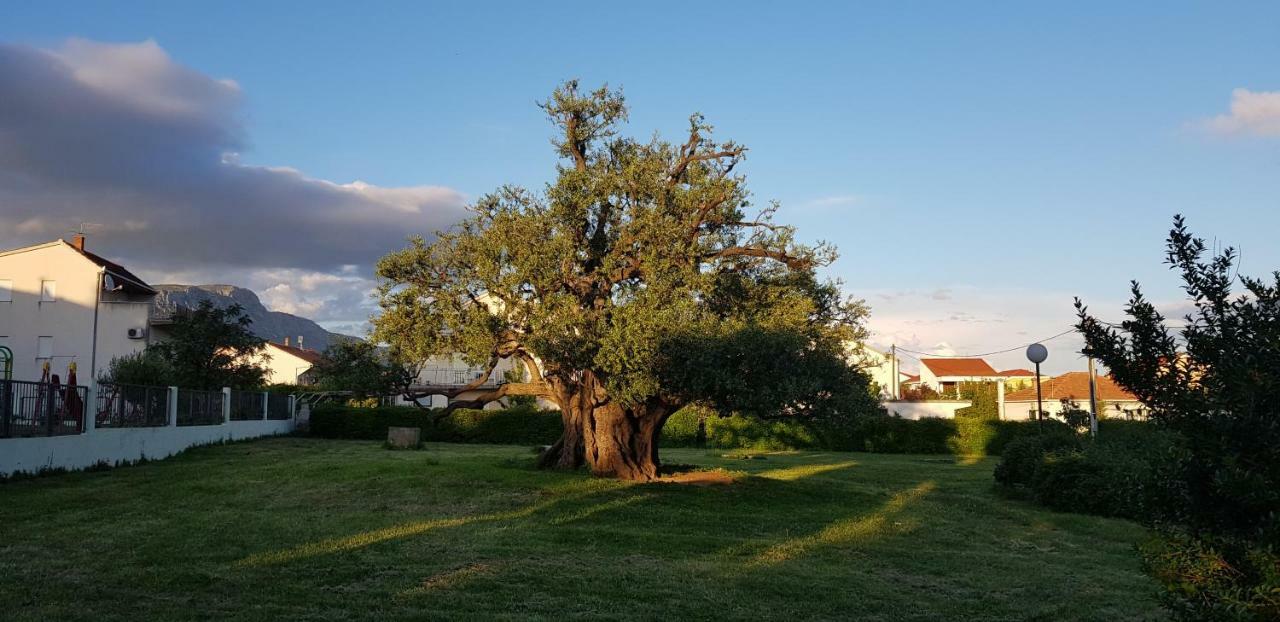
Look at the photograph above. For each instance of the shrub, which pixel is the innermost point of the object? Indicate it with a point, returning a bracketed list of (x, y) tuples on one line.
[(753, 433), (1128, 471), (685, 427), (510, 426), (1215, 579)]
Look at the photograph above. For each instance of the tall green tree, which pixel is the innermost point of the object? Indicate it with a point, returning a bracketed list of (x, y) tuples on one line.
[(358, 366), (635, 283), (1215, 381), (210, 347)]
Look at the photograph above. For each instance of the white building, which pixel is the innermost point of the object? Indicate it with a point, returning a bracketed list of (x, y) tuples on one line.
[(287, 364), (945, 375), (879, 365), (1114, 401), (61, 304)]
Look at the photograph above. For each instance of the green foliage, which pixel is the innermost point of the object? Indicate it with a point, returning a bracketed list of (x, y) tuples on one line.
[(358, 366), (510, 426), (146, 367), (985, 398), (207, 348), (1217, 385), (639, 264), (210, 348), (1209, 579), (1129, 471), (1077, 418)]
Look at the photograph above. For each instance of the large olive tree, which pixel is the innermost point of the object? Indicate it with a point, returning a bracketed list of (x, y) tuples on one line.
[(634, 284)]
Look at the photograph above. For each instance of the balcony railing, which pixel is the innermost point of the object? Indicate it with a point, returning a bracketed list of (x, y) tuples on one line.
[(458, 378), (41, 408)]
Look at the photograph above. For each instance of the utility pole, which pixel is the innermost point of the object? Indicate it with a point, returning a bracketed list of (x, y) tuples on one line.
[(893, 369), (1093, 400)]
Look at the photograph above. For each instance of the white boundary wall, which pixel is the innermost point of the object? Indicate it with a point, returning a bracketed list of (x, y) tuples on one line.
[(943, 409), (124, 445)]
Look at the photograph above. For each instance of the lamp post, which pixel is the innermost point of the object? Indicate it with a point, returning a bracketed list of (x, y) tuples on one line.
[(1037, 353)]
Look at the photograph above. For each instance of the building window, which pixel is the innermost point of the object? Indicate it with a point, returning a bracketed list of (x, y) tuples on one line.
[(48, 291), (6, 290), (44, 349)]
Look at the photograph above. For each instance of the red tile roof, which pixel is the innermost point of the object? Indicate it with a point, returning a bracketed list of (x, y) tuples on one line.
[(1073, 386), (1018, 373), (310, 356), (959, 367)]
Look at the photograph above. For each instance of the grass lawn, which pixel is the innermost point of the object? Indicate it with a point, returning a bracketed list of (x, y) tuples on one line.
[(295, 529)]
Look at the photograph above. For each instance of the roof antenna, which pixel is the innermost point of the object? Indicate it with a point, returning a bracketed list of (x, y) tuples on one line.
[(79, 233)]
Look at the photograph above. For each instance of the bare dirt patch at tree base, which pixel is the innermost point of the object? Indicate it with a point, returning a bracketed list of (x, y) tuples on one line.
[(698, 478)]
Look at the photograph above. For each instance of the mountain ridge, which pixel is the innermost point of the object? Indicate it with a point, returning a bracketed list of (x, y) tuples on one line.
[(267, 324)]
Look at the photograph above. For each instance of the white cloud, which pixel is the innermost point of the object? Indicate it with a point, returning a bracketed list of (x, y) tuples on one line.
[(1252, 112), (123, 136)]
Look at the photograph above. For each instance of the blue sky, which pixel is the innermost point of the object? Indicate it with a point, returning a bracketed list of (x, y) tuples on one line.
[(976, 166)]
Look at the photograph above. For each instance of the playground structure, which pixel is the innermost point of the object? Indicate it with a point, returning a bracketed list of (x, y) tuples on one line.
[(44, 408)]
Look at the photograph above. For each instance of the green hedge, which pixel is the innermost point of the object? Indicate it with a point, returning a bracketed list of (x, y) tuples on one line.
[(878, 434), (690, 427), (518, 426)]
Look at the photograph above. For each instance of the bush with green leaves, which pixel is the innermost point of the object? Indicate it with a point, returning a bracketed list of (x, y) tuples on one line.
[(1215, 384), (510, 426)]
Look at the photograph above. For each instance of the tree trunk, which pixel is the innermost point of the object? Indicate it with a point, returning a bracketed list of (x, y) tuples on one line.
[(612, 440)]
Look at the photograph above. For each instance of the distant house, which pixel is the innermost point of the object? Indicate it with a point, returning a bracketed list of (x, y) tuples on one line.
[(288, 364), (945, 375), (1115, 401), (61, 304), (1018, 378), (878, 365)]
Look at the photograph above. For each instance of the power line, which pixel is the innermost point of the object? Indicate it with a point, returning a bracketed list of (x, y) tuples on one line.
[(968, 356)]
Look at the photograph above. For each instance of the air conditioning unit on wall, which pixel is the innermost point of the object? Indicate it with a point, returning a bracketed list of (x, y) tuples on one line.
[(137, 333)]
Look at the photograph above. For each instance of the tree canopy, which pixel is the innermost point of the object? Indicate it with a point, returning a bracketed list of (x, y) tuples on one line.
[(207, 348), (1215, 381), (642, 279), (358, 366)]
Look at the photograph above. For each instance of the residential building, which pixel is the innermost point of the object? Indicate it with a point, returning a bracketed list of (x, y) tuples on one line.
[(944, 375), (1114, 401), (1018, 378), (61, 304), (286, 363), (879, 365)]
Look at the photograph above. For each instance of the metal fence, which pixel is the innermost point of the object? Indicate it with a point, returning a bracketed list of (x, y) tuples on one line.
[(246, 405), (278, 407), (41, 408), (199, 407), (131, 406)]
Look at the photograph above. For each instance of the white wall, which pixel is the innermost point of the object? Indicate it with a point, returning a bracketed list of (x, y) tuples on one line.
[(70, 318), (944, 409), (282, 367), (1022, 411), (123, 445)]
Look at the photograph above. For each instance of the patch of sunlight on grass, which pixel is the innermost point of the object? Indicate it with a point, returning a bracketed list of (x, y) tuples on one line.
[(361, 540), (448, 580), (969, 460), (804, 470), (842, 532), (599, 507)]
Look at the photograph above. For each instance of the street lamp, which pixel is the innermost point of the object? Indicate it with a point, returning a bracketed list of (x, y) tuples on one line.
[(1037, 353)]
